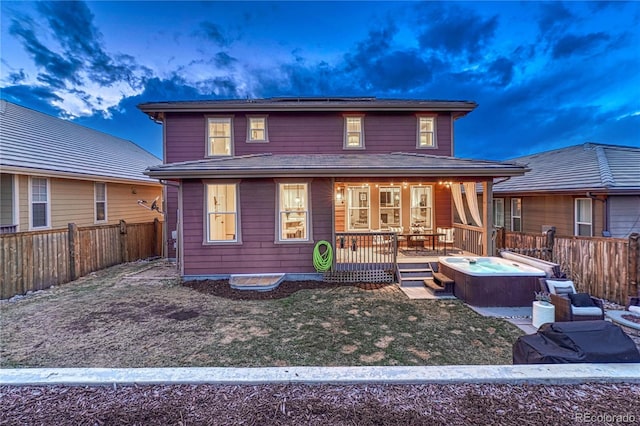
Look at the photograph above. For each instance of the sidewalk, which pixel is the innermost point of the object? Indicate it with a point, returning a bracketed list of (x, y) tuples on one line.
[(463, 374)]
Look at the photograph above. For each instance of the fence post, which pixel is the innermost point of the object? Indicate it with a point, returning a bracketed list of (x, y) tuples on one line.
[(157, 237), (634, 263), (124, 243), (74, 252)]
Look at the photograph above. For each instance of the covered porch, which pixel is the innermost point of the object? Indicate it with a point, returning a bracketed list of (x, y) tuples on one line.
[(380, 222)]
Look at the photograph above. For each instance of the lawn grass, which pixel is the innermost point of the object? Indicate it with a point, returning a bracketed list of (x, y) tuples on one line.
[(109, 320)]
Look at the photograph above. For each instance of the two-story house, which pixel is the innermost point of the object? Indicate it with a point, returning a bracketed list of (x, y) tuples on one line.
[(54, 172), (253, 185)]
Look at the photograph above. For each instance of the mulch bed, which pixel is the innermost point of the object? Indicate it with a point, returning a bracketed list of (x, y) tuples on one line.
[(468, 404), (221, 288)]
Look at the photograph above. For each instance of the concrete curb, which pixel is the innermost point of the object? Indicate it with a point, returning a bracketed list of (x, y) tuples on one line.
[(505, 374)]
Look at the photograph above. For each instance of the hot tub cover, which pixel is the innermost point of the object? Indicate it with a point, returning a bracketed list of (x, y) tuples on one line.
[(575, 342)]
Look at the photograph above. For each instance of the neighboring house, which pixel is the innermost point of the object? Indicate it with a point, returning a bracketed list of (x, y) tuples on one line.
[(54, 172), (588, 190), (260, 181)]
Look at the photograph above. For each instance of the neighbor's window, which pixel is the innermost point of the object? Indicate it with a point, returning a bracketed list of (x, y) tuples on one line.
[(257, 129), (294, 211), (39, 203), (426, 132), (584, 218), (358, 208), (100, 195), (390, 201), (219, 136), (421, 204), (498, 212), (354, 135), (516, 214), (222, 213)]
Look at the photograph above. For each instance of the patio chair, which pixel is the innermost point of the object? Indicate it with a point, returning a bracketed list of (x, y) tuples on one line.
[(633, 304), (447, 238), (384, 243), (569, 304)]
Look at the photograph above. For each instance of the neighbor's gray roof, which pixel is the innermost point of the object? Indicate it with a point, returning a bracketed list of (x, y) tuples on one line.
[(586, 167), (33, 142), (308, 104), (335, 165)]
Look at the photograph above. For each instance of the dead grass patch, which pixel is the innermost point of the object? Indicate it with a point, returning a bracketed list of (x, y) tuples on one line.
[(121, 318)]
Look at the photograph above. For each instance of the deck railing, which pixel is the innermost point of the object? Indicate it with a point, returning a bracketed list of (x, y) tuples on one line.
[(362, 256), (468, 238)]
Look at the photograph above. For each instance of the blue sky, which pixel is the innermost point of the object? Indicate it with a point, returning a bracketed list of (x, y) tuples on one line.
[(545, 74)]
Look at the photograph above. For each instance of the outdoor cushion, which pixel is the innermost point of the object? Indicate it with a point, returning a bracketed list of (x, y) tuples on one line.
[(581, 300), (591, 311), (561, 287), (635, 309)]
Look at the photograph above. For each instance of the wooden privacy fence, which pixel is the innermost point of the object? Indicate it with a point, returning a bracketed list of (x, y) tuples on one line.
[(608, 268), (37, 260)]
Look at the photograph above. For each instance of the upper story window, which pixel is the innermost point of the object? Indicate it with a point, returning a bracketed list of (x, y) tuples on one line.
[(222, 213), (584, 217), (219, 136), (100, 199), (40, 207), (353, 132), (426, 132), (257, 129), (516, 214)]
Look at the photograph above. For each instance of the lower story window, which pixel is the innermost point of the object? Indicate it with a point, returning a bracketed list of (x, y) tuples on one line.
[(584, 218), (358, 208), (516, 214), (39, 203), (498, 212), (222, 213), (293, 208)]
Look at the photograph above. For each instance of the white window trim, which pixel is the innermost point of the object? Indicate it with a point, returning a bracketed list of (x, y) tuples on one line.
[(219, 118), (575, 217), (96, 201), (48, 209), (345, 143), (435, 131), (497, 201), (429, 205), (513, 216), (206, 240), (369, 208), (279, 239), (380, 207), (266, 129)]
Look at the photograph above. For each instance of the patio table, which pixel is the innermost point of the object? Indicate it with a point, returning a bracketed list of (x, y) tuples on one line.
[(421, 237)]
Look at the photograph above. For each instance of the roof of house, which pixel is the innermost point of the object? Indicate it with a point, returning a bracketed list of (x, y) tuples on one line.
[(154, 109), (587, 167), (36, 143), (335, 165)]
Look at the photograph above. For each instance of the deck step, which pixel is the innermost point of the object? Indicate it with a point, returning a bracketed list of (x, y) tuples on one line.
[(420, 278), (414, 270), (442, 278), (440, 284)]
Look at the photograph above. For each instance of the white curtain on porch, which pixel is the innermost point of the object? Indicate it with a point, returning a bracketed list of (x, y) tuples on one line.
[(456, 191), (472, 201)]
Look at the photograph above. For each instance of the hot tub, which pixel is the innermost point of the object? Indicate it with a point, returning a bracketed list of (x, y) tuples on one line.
[(492, 281)]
